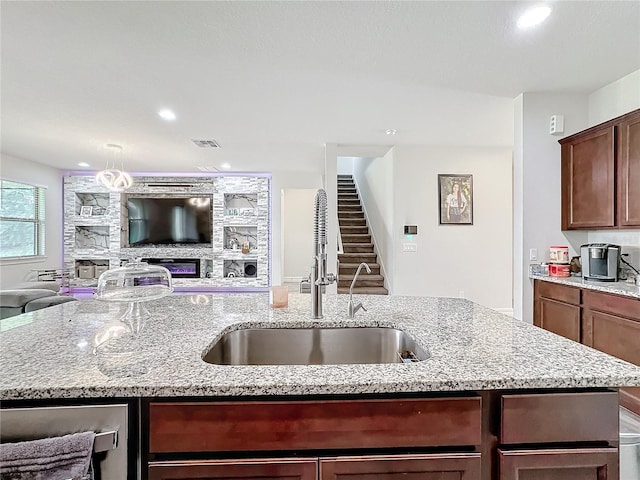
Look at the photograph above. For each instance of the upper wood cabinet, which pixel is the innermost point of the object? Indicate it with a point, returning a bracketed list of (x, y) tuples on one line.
[(601, 175)]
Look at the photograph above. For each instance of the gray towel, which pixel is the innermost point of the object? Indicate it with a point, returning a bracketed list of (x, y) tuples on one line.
[(59, 458)]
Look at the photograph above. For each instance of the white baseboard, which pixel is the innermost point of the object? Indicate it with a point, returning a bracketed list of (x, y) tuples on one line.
[(506, 311), (292, 279)]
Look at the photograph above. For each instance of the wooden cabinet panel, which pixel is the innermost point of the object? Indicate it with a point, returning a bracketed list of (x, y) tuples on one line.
[(629, 173), (560, 318), (451, 466), (260, 469), (613, 304), (303, 425), (559, 464), (559, 417), (556, 291), (588, 169)]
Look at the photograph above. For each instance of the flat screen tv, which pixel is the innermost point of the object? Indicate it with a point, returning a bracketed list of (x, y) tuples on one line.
[(169, 221)]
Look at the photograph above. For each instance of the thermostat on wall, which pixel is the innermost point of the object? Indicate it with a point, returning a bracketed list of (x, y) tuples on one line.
[(410, 229)]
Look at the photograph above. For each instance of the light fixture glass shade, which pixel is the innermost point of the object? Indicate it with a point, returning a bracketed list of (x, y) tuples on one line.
[(114, 179)]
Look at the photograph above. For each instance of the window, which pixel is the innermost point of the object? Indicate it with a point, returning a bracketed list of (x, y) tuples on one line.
[(21, 220)]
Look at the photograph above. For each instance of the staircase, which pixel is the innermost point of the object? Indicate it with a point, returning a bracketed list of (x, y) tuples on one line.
[(356, 243)]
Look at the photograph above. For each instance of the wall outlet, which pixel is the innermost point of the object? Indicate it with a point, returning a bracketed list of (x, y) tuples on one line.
[(533, 254), (410, 247)]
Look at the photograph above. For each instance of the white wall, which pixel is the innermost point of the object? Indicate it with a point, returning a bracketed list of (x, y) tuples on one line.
[(537, 185), (374, 178), (345, 165), (281, 181), (615, 99), (297, 227), (20, 170), (474, 259)]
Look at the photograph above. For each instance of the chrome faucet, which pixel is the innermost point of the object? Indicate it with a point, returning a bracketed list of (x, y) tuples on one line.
[(319, 275), (354, 308)]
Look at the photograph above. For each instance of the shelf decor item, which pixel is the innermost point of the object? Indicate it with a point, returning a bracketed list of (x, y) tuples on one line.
[(85, 211), (455, 198)]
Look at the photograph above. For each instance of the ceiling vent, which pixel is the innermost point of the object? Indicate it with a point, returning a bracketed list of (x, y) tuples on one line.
[(206, 143), (173, 185), (208, 168)]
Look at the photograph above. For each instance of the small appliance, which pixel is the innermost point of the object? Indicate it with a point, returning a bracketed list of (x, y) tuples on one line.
[(600, 261)]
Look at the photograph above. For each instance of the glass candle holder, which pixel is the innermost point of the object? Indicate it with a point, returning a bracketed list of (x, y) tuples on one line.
[(278, 296)]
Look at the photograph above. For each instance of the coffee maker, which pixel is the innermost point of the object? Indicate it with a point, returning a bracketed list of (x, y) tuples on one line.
[(600, 261)]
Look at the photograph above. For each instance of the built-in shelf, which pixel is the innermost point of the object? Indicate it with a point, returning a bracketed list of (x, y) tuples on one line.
[(240, 268), (240, 237), (92, 236), (91, 204), (240, 205)]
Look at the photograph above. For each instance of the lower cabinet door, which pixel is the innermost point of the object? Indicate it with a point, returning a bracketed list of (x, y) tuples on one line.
[(559, 464), (259, 469), (452, 466)]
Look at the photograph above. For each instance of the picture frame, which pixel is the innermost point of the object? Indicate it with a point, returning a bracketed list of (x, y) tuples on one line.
[(85, 211), (455, 199)]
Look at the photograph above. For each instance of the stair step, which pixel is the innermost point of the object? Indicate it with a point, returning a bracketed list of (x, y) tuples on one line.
[(364, 280), (350, 268), (354, 230), (358, 257), (348, 201), (350, 214), (365, 290), (356, 238), (344, 175), (350, 208), (347, 195), (357, 247), (351, 221), (346, 184), (347, 189)]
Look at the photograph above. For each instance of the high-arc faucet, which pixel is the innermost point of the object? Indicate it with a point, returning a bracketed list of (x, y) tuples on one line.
[(354, 308), (319, 275)]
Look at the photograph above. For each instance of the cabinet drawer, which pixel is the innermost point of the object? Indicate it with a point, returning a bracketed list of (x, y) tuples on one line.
[(612, 304), (308, 425), (555, 291), (559, 417), (281, 468), (559, 464)]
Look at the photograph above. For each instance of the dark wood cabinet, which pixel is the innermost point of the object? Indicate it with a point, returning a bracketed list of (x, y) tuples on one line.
[(557, 309), (629, 173), (607, 322), (452, 466), (601, 175), (611, 324), (262, 469), (559, 464)]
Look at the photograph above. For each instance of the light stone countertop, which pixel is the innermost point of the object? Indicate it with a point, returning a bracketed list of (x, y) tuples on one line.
[(619, 288), (50, 353)]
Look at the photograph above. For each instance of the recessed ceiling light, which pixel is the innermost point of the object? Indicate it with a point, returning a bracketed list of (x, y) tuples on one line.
[(534, 16), (167, 115), (113, 146), (391, 131), (226, 166), (83, 164)]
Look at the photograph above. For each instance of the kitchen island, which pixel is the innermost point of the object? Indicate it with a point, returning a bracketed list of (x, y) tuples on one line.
[(494, 397)]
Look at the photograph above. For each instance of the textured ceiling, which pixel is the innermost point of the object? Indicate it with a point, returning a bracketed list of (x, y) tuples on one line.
[(273, 82)]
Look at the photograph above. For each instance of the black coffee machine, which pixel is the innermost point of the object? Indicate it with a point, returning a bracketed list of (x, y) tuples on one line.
[(600, 261)]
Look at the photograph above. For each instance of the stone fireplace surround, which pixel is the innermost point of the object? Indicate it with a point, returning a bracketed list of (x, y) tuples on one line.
[(96, 238)]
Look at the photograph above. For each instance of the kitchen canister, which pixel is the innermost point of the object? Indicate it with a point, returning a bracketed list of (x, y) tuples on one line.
[(559, 254), (559, 270)]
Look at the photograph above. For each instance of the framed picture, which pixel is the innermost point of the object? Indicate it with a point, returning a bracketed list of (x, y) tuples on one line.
[(455, 195), (85, 211), (98, 211)]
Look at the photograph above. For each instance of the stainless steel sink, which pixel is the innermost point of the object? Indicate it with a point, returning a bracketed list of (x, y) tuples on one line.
[(314, 346)]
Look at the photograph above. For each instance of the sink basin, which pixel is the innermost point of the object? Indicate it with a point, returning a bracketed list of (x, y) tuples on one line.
[(314, 346)]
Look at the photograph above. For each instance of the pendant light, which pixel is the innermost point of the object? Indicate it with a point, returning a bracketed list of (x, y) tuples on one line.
[(112, 178)]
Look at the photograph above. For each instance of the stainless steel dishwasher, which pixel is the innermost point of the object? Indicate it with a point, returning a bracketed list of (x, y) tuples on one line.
[(629, 445), (109, 422)]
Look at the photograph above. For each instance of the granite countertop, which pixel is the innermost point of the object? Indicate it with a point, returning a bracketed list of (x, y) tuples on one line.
[(51, 353), (618, 288)]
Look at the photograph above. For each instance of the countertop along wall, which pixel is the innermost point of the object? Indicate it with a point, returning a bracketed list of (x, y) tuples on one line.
[(32, 173)]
